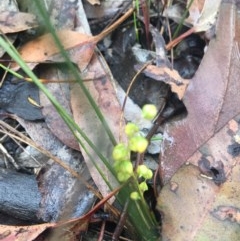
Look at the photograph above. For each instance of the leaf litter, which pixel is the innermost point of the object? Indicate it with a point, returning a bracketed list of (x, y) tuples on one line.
[(209, 151), (209, 108), (204, 205), (44, 48)]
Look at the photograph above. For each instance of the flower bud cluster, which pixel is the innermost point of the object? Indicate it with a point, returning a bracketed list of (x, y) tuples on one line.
[(145, 173), (136, 143)]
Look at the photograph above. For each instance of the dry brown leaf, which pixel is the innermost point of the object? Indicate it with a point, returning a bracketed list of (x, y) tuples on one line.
[(44, 48), (169, 76), (163, 70), (197, 209), (12, 22), (203, 203), (61, 92), (209, 97), (22, 233), (103, 92)]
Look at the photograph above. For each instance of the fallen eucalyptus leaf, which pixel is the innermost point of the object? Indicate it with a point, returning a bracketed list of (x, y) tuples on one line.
[(44, 48), (209, 95), (197, 209)]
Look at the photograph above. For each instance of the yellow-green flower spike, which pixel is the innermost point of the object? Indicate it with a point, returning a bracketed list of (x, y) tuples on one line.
[(143, 187), (149, 111), (123, 177), (126, 167), (138, 144), (131, 129), (120, 152), (135, 196), (149, 174), (142, 170)]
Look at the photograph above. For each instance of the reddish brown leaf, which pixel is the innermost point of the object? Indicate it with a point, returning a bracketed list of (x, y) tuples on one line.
[(44, 48), (210, 95)]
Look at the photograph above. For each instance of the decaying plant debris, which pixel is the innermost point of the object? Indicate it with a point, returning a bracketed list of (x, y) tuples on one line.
[(169, 61)]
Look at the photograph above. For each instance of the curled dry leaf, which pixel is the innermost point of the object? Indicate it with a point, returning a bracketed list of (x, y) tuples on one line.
[(163, 72), (194, 11), (208, 15), (202, 14), (12, 22), (169, 76)]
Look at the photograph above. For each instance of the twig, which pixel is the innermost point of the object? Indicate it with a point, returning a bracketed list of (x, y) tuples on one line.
[(121, 222), (101, 234)]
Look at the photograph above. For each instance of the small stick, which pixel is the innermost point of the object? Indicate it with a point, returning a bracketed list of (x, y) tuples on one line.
[(108, 30), (101, 234), (121, 222)]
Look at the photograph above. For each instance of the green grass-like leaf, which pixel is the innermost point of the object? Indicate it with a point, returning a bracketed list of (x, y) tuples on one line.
[(9, 48), (179, 27)]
